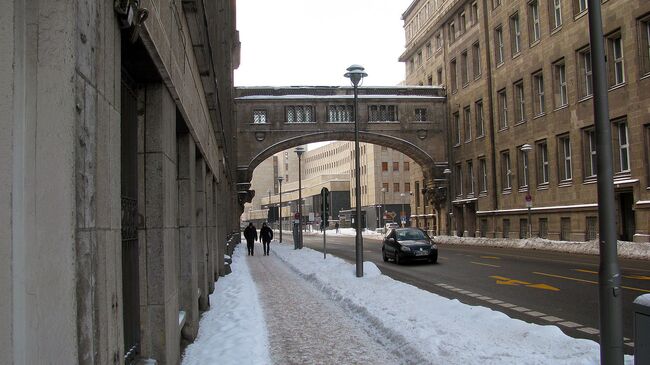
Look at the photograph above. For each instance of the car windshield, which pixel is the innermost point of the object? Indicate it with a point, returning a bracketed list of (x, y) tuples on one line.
[(410, 234)]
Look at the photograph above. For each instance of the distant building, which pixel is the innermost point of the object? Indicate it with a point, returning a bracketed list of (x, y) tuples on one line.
[(519, 72)]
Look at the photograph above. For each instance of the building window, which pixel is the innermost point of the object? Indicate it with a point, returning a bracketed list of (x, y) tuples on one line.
[(382, 113), (579, 6), (419, 58), (463, 68), (340, 113), (556, 13), (407, 166), (407, 187), (459, 180), (565, 229), (502, 99), (439, 76), (456, 126), (495, 3), (385, 187), (300, 114), (543, 228), (520, 102), (395, 166), (430, 80), (420, 114), (523, 168), (396, 187), (498, 48), (384, 166), (429, 50), (592, 228), (452, 32), (439, 41), (467, 122), (483, 227), (538, 91), (533, 16), (506, 228), (471, 179), (483, 178), (476, 60), (589, 148), (474, 13), (478, 111), (543, 170), (452, 70), (523, 227), (259, 116), (559, 78), (462, 22), (506, 172), (564, 168), (412, 65), (585, 82), (622, 148), (616, 69), (644, 45), (515, 34), (417, 195)]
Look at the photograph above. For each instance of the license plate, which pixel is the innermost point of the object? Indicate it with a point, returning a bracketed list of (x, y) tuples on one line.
[(421, 253)]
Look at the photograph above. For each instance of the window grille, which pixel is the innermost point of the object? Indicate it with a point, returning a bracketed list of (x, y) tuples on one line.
[(565, 228), (592, 229), (543, 228)]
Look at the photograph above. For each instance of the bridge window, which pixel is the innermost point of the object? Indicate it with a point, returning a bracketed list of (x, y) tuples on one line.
[(382, 113), (300, 114), (340, 113), (420, 114), (259, 116)]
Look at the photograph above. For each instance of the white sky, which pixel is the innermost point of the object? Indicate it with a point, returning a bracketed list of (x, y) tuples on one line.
[(312, 42)]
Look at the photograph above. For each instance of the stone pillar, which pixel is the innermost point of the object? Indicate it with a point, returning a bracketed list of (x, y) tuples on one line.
[(210, 229), (159, 238), (188, 271), (201, 240), (220, 237)]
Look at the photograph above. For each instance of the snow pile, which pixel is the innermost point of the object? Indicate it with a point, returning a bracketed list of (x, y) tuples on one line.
[(436, 329), (630, 250), (234, 330)]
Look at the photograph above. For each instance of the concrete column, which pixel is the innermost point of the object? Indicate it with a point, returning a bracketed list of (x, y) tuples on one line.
[(201, 239), (188, 271), (210, 229), (159, 238), (220, 242)]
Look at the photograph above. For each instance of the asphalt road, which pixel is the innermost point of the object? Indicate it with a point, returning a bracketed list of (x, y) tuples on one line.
[(535, 286)]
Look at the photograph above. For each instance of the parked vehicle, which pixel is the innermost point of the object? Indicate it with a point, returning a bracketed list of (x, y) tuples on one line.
[(390, 226), (408, 244)]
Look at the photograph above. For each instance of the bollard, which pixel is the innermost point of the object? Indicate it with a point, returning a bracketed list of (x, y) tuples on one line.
[(642, 330)]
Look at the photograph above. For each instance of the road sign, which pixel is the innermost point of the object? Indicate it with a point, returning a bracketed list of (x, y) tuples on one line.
[(529, 200), (296, 215)]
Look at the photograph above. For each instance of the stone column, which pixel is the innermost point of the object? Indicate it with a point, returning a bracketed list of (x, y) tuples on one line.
[(201, 240), (159, 238), (210, 229), (220, 242), (188, 271)]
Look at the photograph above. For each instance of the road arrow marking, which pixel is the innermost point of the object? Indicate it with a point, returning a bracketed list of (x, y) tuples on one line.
[(507, 281), (543, 286)]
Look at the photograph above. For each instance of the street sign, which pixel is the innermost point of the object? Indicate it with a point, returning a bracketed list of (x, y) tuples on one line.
[(529, 200), (296, 215), (325, 205)]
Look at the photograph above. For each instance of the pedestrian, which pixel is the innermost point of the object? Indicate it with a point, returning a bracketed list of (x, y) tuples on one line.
[(266, 235), (250, 233), (336, 225)]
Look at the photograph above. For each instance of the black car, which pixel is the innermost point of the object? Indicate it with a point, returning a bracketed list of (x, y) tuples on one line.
[(403, 244)]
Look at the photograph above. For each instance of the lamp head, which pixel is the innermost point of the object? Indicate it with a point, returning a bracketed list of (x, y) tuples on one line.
[(526, 147), (355, 73), (299, 150), (280, 178)]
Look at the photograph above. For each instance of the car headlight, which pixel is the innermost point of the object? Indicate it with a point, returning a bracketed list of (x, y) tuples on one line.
[(405, 249), (434, 246)]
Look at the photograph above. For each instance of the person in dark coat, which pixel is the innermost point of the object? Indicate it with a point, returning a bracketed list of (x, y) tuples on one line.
[(250, 233), (266, 235)]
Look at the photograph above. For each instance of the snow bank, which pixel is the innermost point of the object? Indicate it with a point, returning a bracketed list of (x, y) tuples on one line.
[(629, 250), (439, 330), (233, 331)]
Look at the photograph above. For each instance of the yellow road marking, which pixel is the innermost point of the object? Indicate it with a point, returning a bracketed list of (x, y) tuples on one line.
[(588, 281), (637, 277), (507, 281), (491, 257), (480, 263)]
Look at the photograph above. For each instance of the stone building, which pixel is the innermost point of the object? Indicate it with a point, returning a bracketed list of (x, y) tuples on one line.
[(117, 181), (518, 74)]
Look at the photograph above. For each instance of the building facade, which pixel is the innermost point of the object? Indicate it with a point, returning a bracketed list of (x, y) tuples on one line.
[(117, 182), (519, 85)]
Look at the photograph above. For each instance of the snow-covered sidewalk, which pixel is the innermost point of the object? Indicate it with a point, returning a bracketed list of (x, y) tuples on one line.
[(293, 307)]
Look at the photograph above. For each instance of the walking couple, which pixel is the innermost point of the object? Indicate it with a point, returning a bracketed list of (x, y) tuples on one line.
[(266, 235)]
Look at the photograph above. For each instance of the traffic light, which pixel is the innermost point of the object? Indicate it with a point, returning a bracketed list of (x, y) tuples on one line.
[(325, 206)]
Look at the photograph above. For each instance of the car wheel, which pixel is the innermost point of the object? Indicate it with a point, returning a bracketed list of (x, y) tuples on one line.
[(434, 259), (397, 261), (383, 255)]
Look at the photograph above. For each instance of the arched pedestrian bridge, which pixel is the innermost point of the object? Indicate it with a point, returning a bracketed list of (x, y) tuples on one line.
[(411, 120)]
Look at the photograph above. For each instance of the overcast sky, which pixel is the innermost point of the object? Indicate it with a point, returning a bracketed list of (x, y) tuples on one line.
[(312, 42)]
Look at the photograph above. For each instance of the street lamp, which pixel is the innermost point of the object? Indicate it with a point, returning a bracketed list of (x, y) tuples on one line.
[(299, 151), (280, 207), (402, 213), (529, 199), (356, 73), (447, 173), (381, 210)]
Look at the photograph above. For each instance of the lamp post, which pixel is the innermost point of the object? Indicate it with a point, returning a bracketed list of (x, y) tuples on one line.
[(402, 213), (529, 199), (383, 208), (299, 151), (280, 207), (356, 73), (269, 207)]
